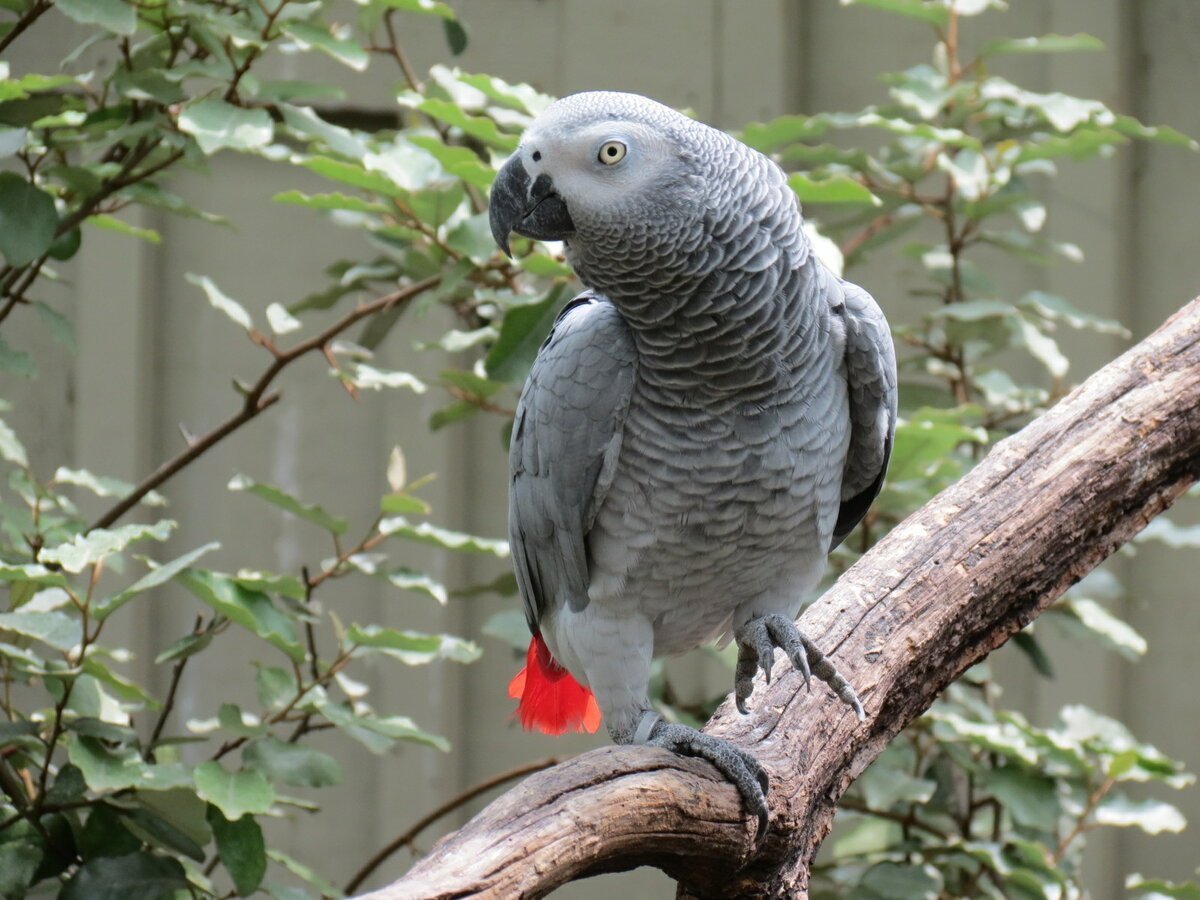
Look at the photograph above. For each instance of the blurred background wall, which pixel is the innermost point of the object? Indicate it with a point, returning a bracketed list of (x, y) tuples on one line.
[(153, 356)]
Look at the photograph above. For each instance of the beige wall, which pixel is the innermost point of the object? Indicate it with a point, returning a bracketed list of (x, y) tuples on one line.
[(153, 354)]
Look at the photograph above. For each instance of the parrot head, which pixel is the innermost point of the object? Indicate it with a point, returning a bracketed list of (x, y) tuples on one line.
[(604, 172)]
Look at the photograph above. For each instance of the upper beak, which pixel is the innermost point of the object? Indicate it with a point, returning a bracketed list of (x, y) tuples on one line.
[(534, 210)]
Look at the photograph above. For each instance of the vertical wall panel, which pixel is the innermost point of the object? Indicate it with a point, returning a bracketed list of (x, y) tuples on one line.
[(1161, 702)]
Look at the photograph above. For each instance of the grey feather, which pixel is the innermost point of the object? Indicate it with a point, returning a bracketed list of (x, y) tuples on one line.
[(871, 377), (566, 439)]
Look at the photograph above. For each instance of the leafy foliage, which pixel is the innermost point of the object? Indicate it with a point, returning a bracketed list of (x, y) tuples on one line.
[(95, 792)]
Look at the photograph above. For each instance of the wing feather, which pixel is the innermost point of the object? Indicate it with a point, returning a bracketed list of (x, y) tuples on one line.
[(871, 378), (566, 440)]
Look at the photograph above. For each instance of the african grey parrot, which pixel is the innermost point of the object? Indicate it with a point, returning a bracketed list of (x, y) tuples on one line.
[(701, 427)]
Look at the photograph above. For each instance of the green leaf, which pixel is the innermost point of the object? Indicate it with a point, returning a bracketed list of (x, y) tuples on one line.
[(16, 362), (343, 49), (473, 237), (241, 848), (152, 579), (1157, 888), (1151, 816), (234, 793), (138, 876), (1042, 347), (280, 320), (521, 334), (305, 121), (216, 125), (181, 808), (69, 785), (234, 721), (351, 173), (270, 583), (272, 494), (222, 301), (105, 731), (86, 549), (304, 873), (129, 691), (114, 769), (104, 835), (157, 831), (60, 631), (28, 220), (457, 161), (1046, 43), (11, 448), (408, 167), (837, 188), (276, 687), (1029, 797), (32, 574), (924, 441), (403, 578), (1122, 764), (456, 36), (1178, 537), (292, 764), (119, 226), (478, 127), (116, 16), (19, 862), (1114, 632), (401, 503), (426, 533), (369, 378), (331, 201), (1029, 645), (252, 610), (1060, 310), (103, 486), (188, 645), (379, 734), (510, 627), (411, 647)]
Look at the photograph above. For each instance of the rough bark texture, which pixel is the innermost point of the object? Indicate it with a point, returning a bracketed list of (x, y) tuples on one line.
[(946, 587)]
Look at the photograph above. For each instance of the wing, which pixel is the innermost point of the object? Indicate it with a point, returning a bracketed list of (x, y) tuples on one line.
[(566, 439), (871, 378)]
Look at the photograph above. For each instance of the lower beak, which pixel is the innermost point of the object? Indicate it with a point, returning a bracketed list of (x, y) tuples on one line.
[(531, 209)]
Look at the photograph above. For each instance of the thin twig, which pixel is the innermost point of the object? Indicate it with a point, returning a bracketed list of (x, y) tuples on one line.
[(31, 15), (445, 809), (257, 399)]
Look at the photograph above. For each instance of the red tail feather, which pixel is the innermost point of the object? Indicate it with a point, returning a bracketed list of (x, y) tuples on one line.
[(552, 701)]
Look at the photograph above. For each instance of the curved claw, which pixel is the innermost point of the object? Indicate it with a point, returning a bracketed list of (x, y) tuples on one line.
[(757, 640), (738, 766)]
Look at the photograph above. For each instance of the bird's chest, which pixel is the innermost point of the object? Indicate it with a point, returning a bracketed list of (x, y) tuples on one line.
[(717, 501)]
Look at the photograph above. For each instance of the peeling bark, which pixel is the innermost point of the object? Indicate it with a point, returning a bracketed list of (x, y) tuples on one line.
[(949, 585)]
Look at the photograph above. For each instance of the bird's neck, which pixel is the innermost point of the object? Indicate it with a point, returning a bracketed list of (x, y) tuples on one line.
[(725, 319)]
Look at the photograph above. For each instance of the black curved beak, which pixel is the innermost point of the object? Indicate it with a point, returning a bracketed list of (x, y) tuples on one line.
[(533, 210)]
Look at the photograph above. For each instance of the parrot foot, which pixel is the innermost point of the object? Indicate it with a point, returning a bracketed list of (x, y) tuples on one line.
[(740, 767), (757, 640)]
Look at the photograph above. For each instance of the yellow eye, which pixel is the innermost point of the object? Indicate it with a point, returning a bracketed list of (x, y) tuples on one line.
[(611, 152)]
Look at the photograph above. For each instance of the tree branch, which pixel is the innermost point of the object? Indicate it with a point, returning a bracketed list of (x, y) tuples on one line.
[(257, 399), (941, 591)]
